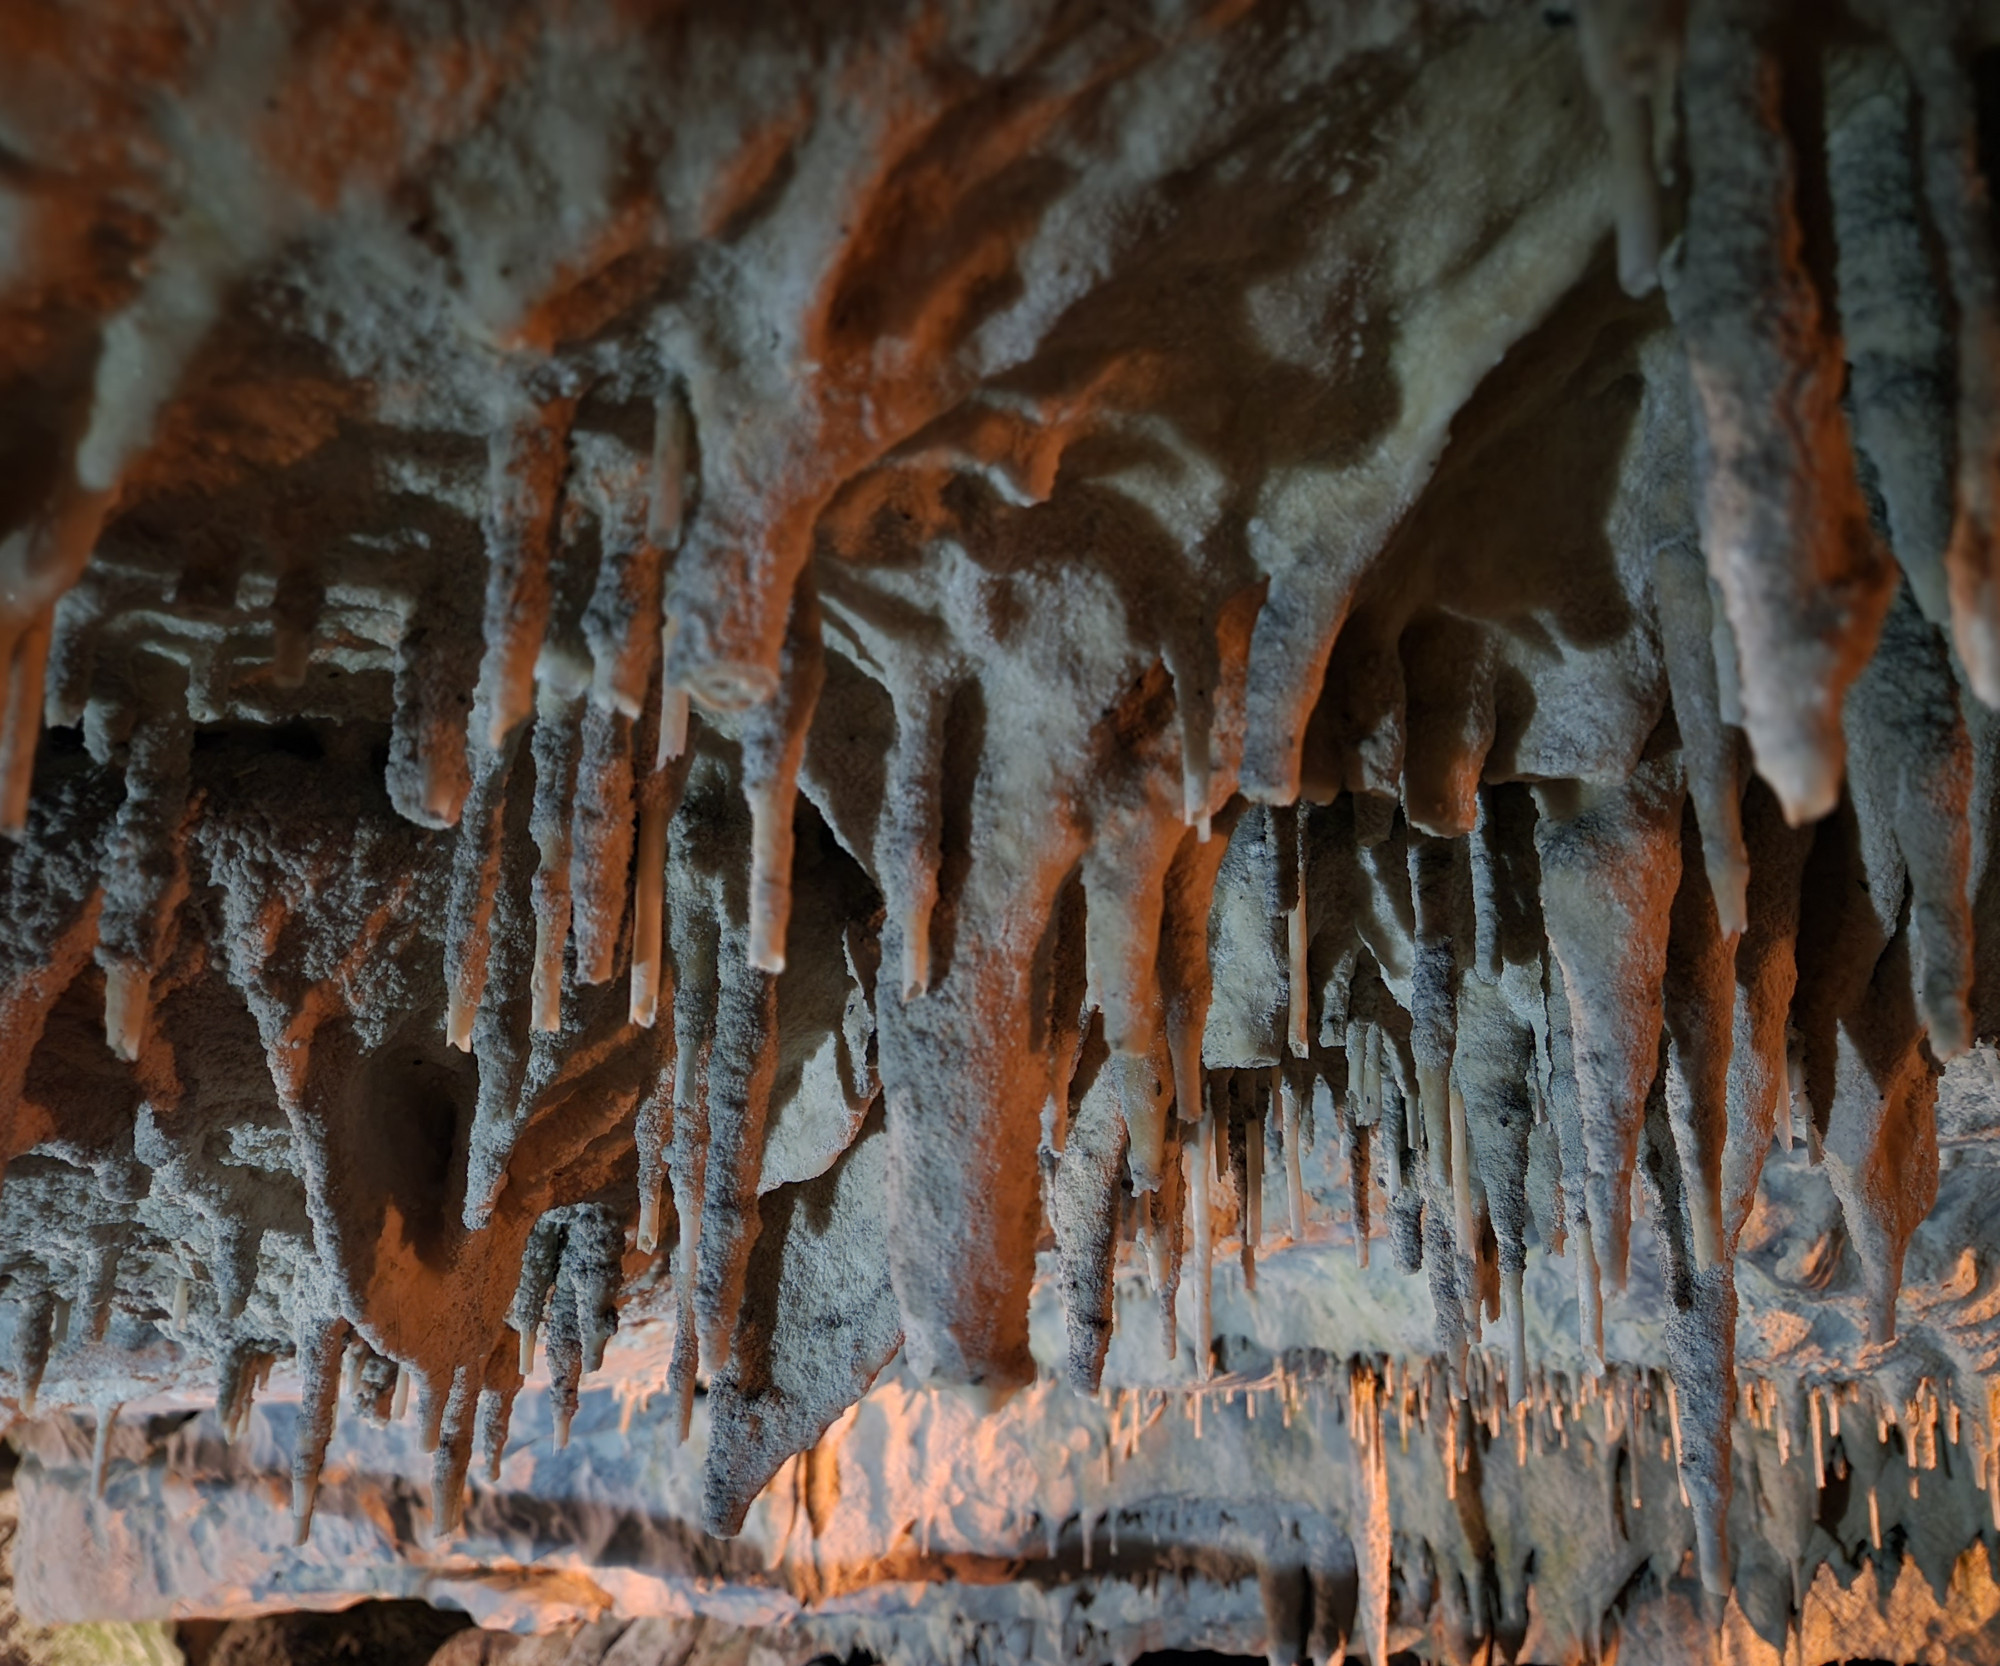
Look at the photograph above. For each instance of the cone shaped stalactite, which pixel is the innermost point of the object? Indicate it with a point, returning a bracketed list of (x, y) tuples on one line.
[(1783, 525), (1610, 867)]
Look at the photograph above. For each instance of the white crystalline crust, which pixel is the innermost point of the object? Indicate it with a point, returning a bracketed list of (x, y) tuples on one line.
[(1058, 722)]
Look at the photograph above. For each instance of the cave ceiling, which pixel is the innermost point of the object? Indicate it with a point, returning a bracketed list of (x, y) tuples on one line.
[(1091, 714)]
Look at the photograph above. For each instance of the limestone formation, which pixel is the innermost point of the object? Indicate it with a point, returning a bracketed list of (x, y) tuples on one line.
[(793, 705)]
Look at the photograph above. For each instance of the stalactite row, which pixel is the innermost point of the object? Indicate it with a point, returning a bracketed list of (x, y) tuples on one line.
[(1427, 1533), (1444, 1101), (1852, 1440), (1843, 1467), (1617, 1406), (1575, 1020), (1633, 1030), (546, 907), (1157, 915)]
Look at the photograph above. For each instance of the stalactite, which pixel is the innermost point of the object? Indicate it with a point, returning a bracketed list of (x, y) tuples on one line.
[(1236, 1160), (1870, 1079), (1295, 1191), (516, 1059), (741, 1064), (1144, 1092), (1194, 704), (431, 1404), (1085, 1196), (476, 876), (649, 907), (145, 874), (1699, 1005), (1198, 1158), (1186, 896), (1450, 720), (1303, 612), (821, 1325), (1253, 1179), (659, 797), (1911, 769), (671, 481), (1440, 883), (562, 1345), (1766, 977), (452, 1450), (1881, 1137), (1385, 913), (1855, 867), (34, 1319), (652, 1133), (1367, 675), (1298, 942), (1664, 1189), (1782, 521), (1894, 328), (495, 1409), (591, 1273), (1445, 1261), (774, 742), (1957, 195), (601, 834), (1336, 978), (1491, 1074), (674, 707), (526, 461), (1371, 1508), (1166, 1236), (1124, 881), (1710, 746), (557, 742), (731, 589), (1069, 1024), (1630, 54), (539, 1262), (906, 854), (962, 1168), (100, 1446), (1566, 1112), (621, 623), (236, 1387), (321, 1344), (1610, 866), (684, 1361), (99, 1285), (1701, 1348), (72, 665), (26, 649), (695, 958), (429, 773)]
